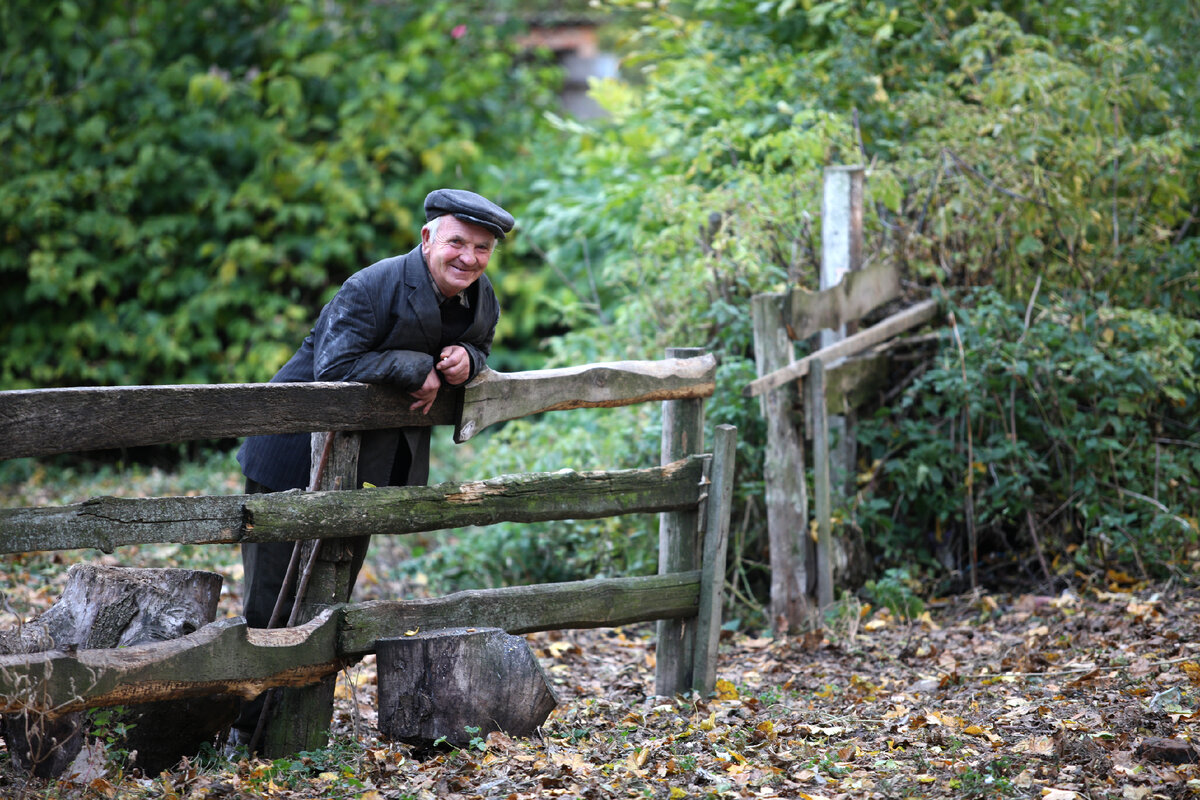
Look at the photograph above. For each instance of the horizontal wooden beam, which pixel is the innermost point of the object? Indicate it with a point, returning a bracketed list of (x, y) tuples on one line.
[(599, 603), (909, 318), (44, 422), (226, 657), (106, 523), (536, 497), (497, 396), (859, 293)]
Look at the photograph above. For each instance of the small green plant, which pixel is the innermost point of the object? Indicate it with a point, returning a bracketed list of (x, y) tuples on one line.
[(477, 742), (895, 592), (108, 727), (991, 781)]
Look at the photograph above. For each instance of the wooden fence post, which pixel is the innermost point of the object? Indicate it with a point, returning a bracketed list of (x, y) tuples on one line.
[(716, 537), (783, 472), (815, 400), (841, 253), (299, 718), (678, 538)]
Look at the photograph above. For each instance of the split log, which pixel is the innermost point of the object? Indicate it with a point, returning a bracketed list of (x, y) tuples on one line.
[(42, 422), (596, 603), (435, 685), (223, 658), (111, 607)]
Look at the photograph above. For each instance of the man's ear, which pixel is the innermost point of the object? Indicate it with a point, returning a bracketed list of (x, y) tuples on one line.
[(425, 239)]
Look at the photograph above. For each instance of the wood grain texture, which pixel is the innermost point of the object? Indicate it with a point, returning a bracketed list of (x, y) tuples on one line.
[(106, 523), (859, 293), (226, 657), (598, 603), (454, 684), (42, 422), (496, 396)]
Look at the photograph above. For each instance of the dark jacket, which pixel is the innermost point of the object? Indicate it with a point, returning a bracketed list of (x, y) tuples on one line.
[(383, 326)]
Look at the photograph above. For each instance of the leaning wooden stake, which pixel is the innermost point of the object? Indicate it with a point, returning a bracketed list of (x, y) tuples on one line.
[(678, 539), (716, 536), (909, 318)]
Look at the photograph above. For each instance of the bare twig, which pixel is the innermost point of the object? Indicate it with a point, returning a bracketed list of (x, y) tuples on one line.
[(992, 184), (972, 534), (1037, 545)]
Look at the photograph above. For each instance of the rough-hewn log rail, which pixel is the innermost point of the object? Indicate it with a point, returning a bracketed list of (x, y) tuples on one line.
[(599, 603), (106, 523), (226, 657), (497, 396), (43, 422)]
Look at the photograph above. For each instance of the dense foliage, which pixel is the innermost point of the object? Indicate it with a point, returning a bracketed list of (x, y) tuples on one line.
[(1068, 419), (1006, 149), (184, 183)]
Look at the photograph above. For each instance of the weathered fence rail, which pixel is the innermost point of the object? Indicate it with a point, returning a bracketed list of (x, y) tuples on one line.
[(691, 491), (105, 523), (44, 422)]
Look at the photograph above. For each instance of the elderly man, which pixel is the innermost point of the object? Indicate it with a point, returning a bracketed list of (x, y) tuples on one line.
[(416, 321)]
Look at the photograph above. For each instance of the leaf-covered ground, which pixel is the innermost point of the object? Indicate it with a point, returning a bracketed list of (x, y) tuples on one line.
[(1091, 694)]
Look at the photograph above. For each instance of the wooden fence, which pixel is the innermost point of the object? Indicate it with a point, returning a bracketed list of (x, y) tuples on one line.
[(803, 398), (690, 489)]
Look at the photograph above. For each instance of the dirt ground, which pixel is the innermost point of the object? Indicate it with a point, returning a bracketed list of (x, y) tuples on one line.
[(1089, 694), (1077, 695)]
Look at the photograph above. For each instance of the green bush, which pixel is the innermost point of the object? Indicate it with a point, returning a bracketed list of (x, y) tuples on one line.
[(185, 183), (1073, 419)]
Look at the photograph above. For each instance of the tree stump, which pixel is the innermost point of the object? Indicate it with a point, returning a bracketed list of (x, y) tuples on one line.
[(108, 607), (435, 685)]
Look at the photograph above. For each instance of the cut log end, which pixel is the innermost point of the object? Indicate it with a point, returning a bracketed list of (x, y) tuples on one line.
[(454, 684)]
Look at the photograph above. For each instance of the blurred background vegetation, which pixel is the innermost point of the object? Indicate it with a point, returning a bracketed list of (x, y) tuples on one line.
[(184, 184)]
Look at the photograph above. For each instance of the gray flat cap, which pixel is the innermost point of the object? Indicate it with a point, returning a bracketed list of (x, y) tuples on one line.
[(469, 207)]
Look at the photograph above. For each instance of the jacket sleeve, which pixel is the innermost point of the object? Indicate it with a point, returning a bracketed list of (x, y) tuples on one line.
[(344, 342)]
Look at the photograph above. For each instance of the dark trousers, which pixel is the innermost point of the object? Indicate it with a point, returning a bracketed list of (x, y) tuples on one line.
[(264, 566)]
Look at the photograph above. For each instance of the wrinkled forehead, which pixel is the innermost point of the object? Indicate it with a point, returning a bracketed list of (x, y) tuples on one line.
[(451, 227)]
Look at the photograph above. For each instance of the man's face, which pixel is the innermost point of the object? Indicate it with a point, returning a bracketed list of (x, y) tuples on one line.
[(457, 255)]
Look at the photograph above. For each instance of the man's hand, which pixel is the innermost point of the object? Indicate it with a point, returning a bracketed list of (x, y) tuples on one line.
[(427, 393), (455, 364)]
